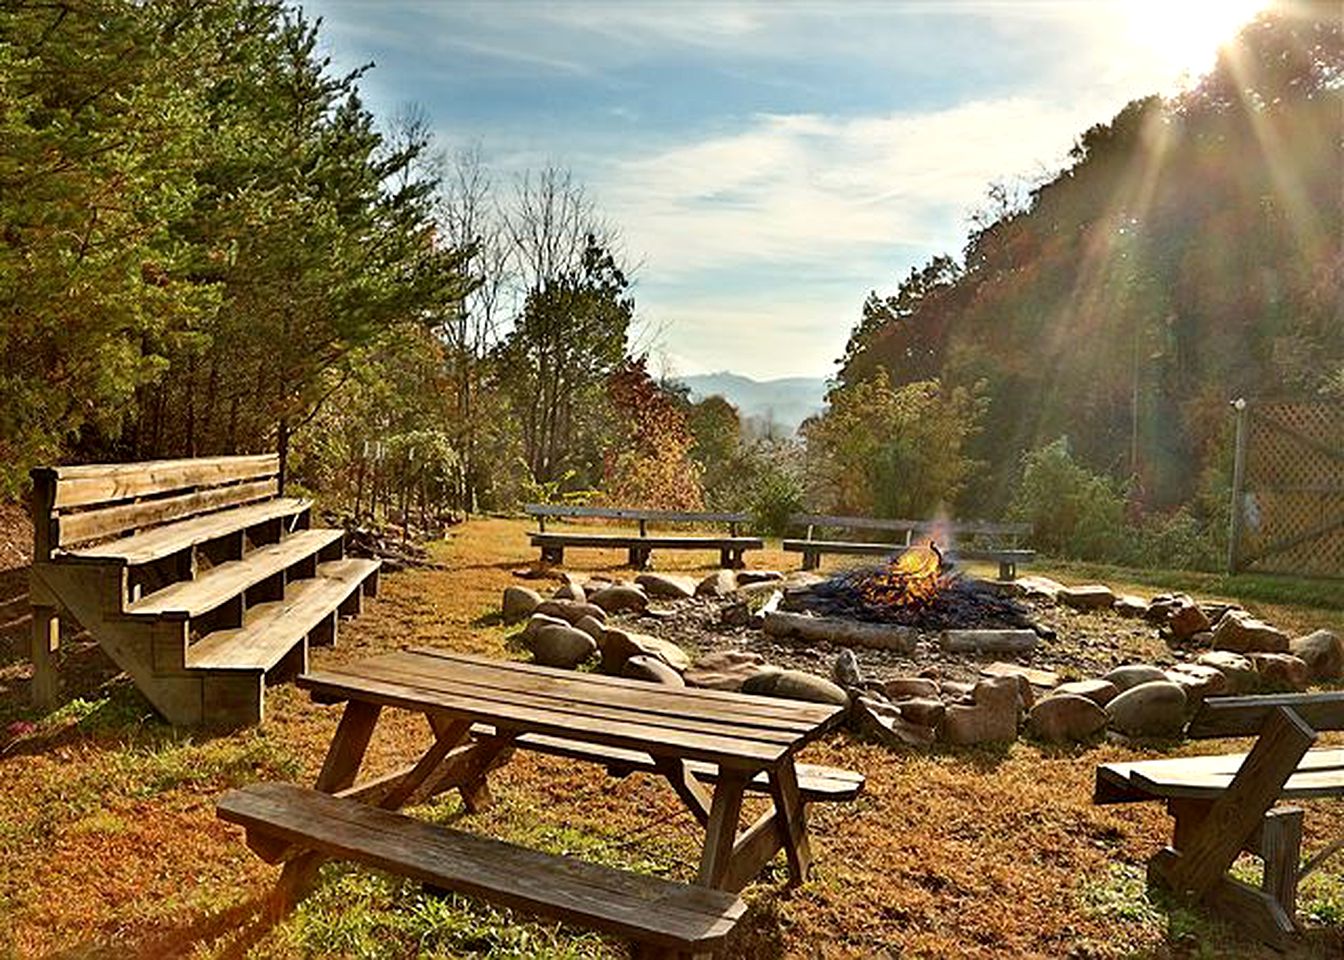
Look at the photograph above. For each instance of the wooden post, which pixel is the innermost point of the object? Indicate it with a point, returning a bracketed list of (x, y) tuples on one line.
[(46, 635), (1238, 481), (46, 639)]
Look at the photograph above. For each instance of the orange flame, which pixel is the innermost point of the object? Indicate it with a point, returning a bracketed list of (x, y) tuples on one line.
[(914, 577)]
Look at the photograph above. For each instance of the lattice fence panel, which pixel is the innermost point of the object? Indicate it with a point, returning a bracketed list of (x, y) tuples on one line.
[(1292, 495)]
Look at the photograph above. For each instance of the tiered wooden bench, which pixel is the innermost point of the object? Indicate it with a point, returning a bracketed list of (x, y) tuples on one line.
[(671, 918), (973, 540), (640, 545), (195, 576), (1224, 804)]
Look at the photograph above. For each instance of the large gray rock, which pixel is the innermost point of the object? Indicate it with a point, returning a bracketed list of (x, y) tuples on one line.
[(988, 641), (653, 670), (618, 646), (1198, 680), (887, 724), (924, 711), (1065, 717), (846, 670), (555, 645), (1240, 632), (1153, 709), (1133, 674), (621, 597), (899, 687), (1322, 652), (1129, 605), (724, 670), (1239, 671), (592, 626), (1088, 596), (990, 718), (570, 590), (1281, 671), (1100, 692), (572, 611), (718, 584), (666, 586), (519, 603), (539, 620), (1186, 619), (1038, 588), (795, 685)]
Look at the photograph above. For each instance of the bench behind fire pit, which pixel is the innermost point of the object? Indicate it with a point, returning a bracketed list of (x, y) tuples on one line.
[(973, 539), (640, 545)]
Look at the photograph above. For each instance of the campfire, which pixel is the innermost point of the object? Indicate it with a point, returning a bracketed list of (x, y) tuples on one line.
[(920, 588)]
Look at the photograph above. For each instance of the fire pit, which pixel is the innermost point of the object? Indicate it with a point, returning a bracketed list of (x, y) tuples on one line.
[(919, 588)]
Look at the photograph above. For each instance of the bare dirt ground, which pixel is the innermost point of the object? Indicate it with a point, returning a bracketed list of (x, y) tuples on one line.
[(109, 846)]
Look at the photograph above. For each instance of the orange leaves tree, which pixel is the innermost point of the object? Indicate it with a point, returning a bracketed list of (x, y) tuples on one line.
[(648, 463)]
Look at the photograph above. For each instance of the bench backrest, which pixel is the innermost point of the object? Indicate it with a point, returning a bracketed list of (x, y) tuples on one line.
[(1246, 716), (73, 505), (958, 527), (633, 513)]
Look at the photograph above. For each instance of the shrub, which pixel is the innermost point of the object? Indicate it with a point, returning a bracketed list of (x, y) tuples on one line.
[(1073, 511), (778, 495)]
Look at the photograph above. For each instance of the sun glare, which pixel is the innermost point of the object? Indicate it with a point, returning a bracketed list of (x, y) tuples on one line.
[(1184, 35)]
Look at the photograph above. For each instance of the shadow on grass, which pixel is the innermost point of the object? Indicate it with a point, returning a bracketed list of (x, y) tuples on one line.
[(243, 925)]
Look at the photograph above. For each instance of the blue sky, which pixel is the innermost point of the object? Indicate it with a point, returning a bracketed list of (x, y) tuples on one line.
[(768, 164)]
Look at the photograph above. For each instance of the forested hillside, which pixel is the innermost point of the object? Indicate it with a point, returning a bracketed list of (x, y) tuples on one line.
[(1100, 322)]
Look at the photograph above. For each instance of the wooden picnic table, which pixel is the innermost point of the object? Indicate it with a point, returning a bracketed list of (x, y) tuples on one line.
[(463, 695)]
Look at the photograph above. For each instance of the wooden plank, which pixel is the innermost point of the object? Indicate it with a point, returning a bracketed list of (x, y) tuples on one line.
[(567, 889), (1246, 716), (102, 482), (1238, 811), (271, 629), (46, 639), (791, 819), (169, 539), (515, 717), (106, 522), (752, 850), (1299, 786), (858, 548), (654, 702), (650, 543), (191, 598), (656, 723), (808, 714), (633, 513), (452, 736), (819, 784), (1254, 911)]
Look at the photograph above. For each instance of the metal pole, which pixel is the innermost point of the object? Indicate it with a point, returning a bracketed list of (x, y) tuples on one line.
[(1238, 479)]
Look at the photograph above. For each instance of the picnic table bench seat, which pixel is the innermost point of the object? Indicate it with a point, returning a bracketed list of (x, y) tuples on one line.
[(983, 540), (818, 784), (674, 918), (640, 545), (1223, 804), (197, 576)]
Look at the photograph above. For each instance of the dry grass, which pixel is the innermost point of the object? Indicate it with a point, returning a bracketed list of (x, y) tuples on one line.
[(109, 845)]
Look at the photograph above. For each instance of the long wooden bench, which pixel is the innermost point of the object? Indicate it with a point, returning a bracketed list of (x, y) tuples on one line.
[(642, 544), (818, 784), (669, 918), (196, 576), (970, 540), (1225, 803)]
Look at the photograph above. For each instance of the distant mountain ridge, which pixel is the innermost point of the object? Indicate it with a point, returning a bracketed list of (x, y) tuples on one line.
[(787, 401)]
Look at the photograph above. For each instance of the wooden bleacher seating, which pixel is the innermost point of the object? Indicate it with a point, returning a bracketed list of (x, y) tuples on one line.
[(640, 545), (197, 577), (1224, 804), (662, 917), (972, 540)]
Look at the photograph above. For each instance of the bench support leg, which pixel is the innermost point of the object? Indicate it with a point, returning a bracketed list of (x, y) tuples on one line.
[(339, 770), (639, 558), (721, 831), (811, 560), (1007, 570), (46, 640), (1281, 849), (553, 554)]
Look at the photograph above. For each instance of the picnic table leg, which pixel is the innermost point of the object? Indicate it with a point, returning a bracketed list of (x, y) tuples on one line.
[(344, 757), (791, 821), (721, 831), (467, 767), (1281, 849)]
